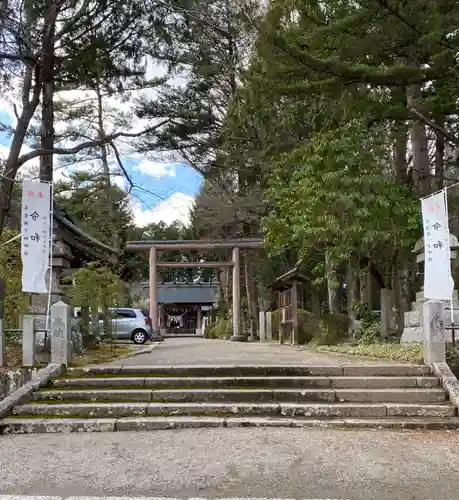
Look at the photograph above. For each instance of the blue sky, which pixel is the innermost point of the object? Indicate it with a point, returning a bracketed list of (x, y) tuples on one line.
[(165, 190)]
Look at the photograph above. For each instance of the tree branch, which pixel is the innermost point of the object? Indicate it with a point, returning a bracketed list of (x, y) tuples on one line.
[(120, 164), (359, 74), (18, 58), (441, 130), (84, 145)]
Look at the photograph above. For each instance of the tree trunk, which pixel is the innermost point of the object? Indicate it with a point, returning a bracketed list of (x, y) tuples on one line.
[(401, 287), (251, 291), (364, 288), (332, 286), (11, 167), (439, 160), (116, 241), (47, 102), (351, 288), (421, 167), (400, 150), (316, 302)]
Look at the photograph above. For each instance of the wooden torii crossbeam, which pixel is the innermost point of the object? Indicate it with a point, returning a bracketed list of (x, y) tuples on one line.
[(186, 245)]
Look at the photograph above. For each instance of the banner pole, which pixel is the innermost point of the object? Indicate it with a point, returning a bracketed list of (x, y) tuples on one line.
[(51, 232), (445, 194)]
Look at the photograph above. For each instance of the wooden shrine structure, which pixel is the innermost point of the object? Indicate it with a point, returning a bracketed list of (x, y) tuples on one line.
[(289, 301), (182, 306), (205, 245)]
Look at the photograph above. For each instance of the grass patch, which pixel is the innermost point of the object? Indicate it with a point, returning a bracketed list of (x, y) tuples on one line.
[(83, 401), (122, 374), (101, 354), (164, 387), (405, 353), (54, 402), (53, 417)]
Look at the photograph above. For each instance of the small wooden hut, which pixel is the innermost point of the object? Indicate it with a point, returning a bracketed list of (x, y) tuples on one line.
[(289, 300)]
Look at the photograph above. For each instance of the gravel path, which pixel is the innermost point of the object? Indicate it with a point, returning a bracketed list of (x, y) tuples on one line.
[(186, 351), (235, 463)]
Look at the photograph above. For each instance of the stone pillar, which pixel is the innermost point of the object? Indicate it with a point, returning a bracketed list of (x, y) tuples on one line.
[(162, 320), (61, 342), (237, 298), (434, 332), (262, 322), (153, 291), (28, 341), (294, 306), (204, 325), (199, 321), (388, 323), (2, 333), (95, 329), (269, 326), (61, 258)]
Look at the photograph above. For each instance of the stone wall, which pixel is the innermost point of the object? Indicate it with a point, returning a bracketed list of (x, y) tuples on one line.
[(14, 378)]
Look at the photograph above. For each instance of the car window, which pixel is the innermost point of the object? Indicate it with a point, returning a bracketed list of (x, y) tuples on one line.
[(125, 313)]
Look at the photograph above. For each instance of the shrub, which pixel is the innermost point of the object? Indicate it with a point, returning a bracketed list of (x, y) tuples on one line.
[(369, 334), (452, 358), (210, 332), (16, 301), (222, 329), (328, 328)]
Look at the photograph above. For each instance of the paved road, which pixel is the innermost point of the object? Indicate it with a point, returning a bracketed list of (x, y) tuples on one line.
[(185, 351), (228, 463)]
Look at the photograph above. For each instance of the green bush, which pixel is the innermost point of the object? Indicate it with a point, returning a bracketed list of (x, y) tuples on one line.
[(209, 332), (452, 358), (333, 329), (369, 334), (220, 330), (328, 328)]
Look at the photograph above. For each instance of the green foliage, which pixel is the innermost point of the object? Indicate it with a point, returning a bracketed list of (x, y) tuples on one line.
[(89, 285), (328, 328), (370, 334), (16, 302), (336, 195), (82, 197), (222, 329), (452, 358)]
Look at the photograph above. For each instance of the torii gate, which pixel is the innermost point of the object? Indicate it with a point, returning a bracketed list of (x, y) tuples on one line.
[(181, 245)]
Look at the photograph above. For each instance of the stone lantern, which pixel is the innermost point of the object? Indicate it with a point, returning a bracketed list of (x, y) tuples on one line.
[(413, 331)]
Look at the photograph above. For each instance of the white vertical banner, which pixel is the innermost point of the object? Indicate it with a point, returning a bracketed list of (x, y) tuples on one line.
[(35, 236), (438, 282)]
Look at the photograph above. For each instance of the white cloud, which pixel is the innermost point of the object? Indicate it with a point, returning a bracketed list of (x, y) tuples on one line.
[(177, 207), (4, 150), (156, 168)]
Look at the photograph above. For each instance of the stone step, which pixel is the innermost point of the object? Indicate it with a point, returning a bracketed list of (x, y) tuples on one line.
[(398, 370), (57, 425), (394, 395), (116, 410), (227, 382)]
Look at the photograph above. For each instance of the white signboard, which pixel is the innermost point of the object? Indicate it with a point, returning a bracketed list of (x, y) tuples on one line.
[(35, 236), (438, 282)]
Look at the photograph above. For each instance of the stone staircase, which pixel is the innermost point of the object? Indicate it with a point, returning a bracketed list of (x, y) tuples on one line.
[(164, 397)]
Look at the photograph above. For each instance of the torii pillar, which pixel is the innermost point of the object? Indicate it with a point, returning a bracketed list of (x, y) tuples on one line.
[(237, 337), (154, 294)]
